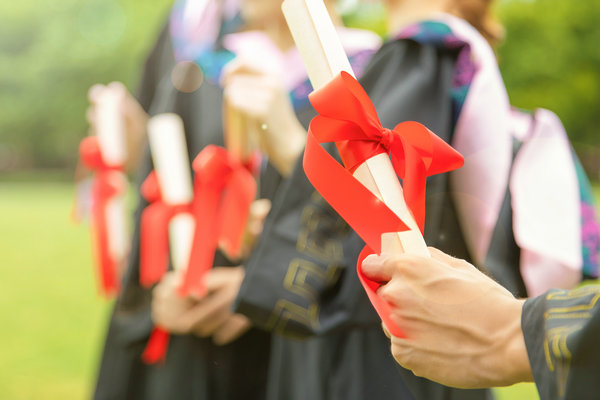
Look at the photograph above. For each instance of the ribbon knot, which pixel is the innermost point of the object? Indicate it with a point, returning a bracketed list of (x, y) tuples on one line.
[(347, 117), (387, 138), (108, 184)]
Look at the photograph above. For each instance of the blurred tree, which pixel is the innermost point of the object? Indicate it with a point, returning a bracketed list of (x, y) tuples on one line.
[(551, 59), (51, 52)]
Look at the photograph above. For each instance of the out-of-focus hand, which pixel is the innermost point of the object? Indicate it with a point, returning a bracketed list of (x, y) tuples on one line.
[(264, 104), (463, 329), (213, 314), (169, 310), (256, 219), (208, 316), (134, 119)]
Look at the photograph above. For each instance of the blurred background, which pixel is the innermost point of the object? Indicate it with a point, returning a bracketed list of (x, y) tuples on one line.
[(52, 51)]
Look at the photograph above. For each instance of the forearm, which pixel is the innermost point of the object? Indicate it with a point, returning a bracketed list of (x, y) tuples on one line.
[(290, 146)]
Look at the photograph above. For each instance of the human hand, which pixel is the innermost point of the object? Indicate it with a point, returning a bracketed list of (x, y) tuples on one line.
[(210, 315), (259, 209), (462, 328), (169, 310), (134, 119), (213, 315), (266, 112)]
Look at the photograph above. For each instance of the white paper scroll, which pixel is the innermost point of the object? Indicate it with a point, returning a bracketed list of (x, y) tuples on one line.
[(111, 139), (110, 126), (172, 166)]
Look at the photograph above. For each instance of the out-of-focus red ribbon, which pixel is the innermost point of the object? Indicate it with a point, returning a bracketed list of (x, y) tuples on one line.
[(348, 118), (108, 184), (156, 348), (224, 189), (154, 231)]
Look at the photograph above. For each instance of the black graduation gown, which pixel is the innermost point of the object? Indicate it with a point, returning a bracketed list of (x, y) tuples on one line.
[(301, 281), (562, 334), (195, 368)]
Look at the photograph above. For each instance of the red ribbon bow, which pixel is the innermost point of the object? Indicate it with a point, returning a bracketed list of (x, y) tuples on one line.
[(154, 231), (108, 184), (223, 192), (348, 117), (224, 189)]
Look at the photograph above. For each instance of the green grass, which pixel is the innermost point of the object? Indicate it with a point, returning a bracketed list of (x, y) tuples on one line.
[(53, 321)]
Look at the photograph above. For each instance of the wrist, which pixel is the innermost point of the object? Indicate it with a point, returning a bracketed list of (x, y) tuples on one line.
[(285, 157), (515, 362)]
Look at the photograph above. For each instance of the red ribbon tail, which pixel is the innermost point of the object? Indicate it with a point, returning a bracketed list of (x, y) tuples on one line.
[(156, 349), (154, 244), (206, 199), (107, 266), (384, 310)]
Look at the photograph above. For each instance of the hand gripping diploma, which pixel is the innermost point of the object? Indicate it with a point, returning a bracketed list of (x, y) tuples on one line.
[(462, 328)]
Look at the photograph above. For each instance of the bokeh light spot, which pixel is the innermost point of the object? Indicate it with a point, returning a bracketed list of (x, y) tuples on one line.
[(187, 76)]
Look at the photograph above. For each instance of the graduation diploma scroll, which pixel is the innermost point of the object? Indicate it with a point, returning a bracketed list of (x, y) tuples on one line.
[(106, 154), (172, 192), (167, 225), (377, 209), (240, 137)]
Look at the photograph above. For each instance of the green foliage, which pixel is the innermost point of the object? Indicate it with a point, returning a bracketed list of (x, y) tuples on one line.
[(551, 59), (51, 52), (370, 16)]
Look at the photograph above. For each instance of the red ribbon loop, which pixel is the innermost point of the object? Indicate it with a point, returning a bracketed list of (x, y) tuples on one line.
[(348, 117), (108, 184), (154, 231), (223, 192)]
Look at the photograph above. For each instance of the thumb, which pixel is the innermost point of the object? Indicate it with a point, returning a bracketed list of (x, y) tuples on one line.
[(377, 269)]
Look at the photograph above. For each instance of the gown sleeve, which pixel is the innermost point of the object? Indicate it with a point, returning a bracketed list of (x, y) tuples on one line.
[(562, 335)]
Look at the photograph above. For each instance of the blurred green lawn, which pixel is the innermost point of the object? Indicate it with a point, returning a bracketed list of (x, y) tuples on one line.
[(53, 322)]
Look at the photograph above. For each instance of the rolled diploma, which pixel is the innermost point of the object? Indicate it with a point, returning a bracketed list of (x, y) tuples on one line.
[(324, 58), (172, 166), (240, 138), (111, 139)]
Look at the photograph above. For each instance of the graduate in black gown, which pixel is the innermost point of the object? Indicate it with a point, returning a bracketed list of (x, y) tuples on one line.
[(301, 282), (195, 368), (496, 339)]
